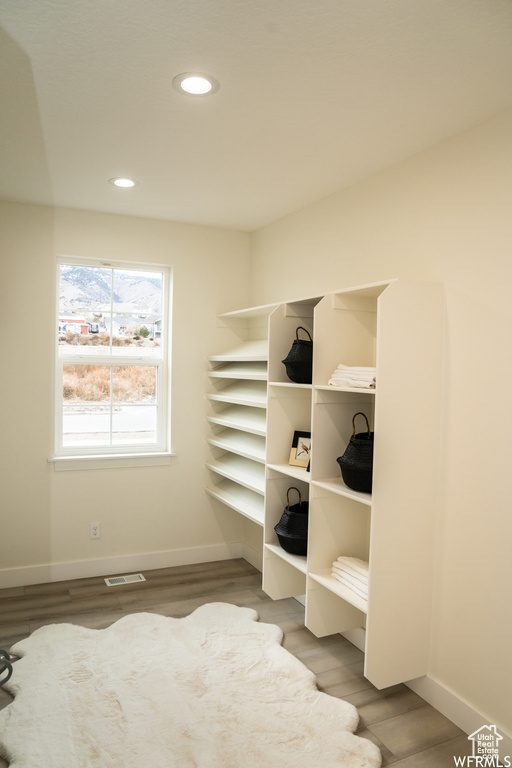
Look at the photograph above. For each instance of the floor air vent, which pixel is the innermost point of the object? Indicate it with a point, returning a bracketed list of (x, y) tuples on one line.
[(113, 581)]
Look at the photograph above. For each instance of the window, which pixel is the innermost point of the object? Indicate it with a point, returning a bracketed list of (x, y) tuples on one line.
[(112, 360)]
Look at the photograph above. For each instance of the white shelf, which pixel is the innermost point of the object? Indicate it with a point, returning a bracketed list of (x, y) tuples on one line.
[(239, 498), (243, 471), (336, 485), (249, 313), (251, 370), (326, 580), (298, 473), (248, 351), (356, 390), (289, 384), (246, 419), (298, 561), (251, 393), (243, 443)]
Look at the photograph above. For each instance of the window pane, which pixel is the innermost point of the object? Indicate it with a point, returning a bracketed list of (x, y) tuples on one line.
[(134, 424), (84, 298), (134, 384), (137, 312), (85, 427), (137, 293), (86, 384), (130, 338)]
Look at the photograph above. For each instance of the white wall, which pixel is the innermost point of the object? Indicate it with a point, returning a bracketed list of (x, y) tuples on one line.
[(45, 515), (444, 215)]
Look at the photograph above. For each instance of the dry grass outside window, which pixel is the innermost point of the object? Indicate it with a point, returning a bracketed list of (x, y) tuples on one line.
[(91, 384)]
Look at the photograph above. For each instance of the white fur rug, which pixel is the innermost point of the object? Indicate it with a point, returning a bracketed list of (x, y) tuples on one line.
[(212, 690)]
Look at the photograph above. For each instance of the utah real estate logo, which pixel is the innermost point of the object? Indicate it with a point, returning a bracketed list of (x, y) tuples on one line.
[(486, 750)]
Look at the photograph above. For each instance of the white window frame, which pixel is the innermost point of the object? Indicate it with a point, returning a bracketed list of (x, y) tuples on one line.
[(100, 457)]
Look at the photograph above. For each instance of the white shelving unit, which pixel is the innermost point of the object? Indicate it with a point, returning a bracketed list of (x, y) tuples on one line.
[(397, 327), (238, 413)]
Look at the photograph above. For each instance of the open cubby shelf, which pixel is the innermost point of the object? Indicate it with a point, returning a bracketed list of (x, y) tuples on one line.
[(395, 327)]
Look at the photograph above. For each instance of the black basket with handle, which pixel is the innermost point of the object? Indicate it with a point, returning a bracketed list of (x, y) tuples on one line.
[(299, 361), (5, 667), (292, 529), (356, 464)]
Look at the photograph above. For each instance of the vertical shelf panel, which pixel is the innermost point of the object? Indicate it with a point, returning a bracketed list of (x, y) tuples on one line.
[(407, 434)]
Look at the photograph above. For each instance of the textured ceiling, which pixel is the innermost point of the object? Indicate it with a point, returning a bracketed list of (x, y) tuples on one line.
[(314, 95)]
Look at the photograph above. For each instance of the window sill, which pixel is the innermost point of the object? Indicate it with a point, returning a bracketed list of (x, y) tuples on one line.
[(110, 461)]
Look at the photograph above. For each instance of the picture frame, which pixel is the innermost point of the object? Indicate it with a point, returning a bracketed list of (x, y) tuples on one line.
[(300, 453)]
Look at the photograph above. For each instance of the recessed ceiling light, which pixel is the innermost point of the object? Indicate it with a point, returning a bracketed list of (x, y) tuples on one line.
[(123, 182), (195, 83)]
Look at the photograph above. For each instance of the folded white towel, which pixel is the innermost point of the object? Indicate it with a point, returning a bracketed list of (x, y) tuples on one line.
[(352, 581), (353, 376), (360, 377), (360, 384), (355, 589), (356, 369), (351, 572), (354, 564), (354, 372)]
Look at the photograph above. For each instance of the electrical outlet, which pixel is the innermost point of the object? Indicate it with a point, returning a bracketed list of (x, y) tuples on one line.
[(94, 531)]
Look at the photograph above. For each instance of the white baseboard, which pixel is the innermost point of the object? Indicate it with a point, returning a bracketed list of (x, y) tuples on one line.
[(446, 701), (252, 556), (82, 569), (456, 709), (357, 637)]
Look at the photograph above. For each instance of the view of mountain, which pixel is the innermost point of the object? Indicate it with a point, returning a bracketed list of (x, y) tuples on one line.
[(89, 288)]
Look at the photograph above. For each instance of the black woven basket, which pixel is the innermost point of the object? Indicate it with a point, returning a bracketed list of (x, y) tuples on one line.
[(299, 361), (5, 666), (292, 529), (356, 464)]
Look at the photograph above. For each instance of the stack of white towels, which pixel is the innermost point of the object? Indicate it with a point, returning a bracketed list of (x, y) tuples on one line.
[(353, 573), (352, 376)]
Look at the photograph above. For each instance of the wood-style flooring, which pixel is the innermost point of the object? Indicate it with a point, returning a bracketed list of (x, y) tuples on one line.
[(409, 732)]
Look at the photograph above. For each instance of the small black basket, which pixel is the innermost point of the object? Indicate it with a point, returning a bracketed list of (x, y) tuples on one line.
[(299, 361), (356, 464), (292, 529), (5, 666)]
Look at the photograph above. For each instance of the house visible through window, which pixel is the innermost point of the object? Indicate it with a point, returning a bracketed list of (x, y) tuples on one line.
[(112, 359)]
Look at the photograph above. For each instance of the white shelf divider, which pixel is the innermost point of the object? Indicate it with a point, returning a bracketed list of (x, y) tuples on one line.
[(249, 351), (356, 390), (298, 473), (246, 419), (326, 580), (336, 485), (251, 393), (239, 498), (250, 474), (250, 370), (298, 561), (243, 443)]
